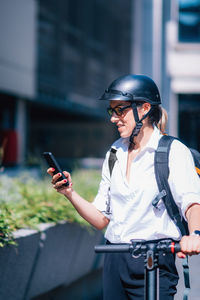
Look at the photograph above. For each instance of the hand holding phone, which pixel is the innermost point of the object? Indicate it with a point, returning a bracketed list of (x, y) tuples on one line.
[(50, 159)]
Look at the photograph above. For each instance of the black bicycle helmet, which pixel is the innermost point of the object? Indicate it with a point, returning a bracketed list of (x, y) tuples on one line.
[(134, 88)]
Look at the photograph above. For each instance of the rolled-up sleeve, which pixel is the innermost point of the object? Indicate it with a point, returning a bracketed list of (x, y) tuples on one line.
[(183, 178), (102, 197)]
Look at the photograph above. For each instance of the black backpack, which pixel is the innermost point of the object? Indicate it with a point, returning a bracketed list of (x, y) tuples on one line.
[(162, 173)]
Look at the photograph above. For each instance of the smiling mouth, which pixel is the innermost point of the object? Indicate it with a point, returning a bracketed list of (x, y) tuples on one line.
[(119, 127)]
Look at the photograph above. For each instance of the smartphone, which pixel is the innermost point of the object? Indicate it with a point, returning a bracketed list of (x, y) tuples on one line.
[(52, 162)]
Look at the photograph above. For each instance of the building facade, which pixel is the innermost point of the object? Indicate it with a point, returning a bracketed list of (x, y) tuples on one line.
[(183, 67), (56, 59), (166, 46)]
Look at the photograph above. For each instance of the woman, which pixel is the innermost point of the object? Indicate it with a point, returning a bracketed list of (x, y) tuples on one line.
[(124, 200)]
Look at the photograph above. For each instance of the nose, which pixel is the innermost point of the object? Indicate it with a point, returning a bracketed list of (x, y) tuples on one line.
[(114, 118)]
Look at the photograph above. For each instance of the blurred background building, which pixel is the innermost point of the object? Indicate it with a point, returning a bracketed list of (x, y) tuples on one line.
[(57, 57)]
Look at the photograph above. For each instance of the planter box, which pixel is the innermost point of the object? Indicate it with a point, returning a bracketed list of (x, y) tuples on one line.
[(60, 254)]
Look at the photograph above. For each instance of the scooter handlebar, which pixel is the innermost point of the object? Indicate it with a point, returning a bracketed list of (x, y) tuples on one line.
[(112, 248), (168, 247)]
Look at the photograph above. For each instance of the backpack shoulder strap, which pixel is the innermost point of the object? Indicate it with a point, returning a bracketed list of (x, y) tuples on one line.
[(161, 165), (111, 162), (112, 159), (162, 173), (196, 157)]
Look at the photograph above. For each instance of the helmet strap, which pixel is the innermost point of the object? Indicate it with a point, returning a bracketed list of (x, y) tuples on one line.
[(139, 123)]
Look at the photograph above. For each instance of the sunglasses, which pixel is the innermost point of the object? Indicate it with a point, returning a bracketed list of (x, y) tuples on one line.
[(118, 110)]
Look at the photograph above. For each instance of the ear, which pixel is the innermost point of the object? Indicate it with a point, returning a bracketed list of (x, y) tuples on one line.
[(146, 107)]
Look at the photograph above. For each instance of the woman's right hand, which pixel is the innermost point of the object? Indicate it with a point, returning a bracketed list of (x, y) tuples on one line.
[(59, 185)]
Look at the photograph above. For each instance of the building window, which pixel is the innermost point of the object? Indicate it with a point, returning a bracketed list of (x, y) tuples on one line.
[(189, 21), (189, 120), (82, 46)]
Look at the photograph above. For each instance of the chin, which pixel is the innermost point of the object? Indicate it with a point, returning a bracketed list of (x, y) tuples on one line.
[(124, 135)]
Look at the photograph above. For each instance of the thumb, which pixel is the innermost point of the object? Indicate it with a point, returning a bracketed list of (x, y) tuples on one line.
[(181, 255)]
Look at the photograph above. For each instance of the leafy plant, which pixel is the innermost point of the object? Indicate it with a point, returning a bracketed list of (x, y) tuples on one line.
[(26, 203)]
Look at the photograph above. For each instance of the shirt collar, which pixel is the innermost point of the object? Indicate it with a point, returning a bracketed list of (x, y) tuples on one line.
[(154, 139)]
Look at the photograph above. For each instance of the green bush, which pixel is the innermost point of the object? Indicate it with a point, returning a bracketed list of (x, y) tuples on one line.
[(26, 203)]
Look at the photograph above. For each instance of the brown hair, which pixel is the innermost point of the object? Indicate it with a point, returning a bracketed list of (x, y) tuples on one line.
[(162, 124), (157, 116)]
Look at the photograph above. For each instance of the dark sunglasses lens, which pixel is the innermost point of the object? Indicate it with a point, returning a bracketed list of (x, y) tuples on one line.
[(118, 111)]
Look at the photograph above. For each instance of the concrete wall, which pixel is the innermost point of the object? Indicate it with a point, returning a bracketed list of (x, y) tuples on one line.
[(60, 255)]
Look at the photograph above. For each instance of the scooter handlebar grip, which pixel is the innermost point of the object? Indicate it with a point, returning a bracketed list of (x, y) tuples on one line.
[(175, 247), (112, 248)]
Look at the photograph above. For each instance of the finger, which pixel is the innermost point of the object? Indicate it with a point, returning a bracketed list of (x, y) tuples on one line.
[(184, 243), (50, 171), (190, 245), (55, 178), (181, 255), (195, 245), (67, 175), (61, 185)]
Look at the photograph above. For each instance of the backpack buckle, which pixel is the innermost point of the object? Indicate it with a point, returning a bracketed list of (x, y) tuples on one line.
[(158, 198)]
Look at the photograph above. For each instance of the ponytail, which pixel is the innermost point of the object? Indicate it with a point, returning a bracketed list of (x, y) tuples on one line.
[(162, 124), (155, 115)]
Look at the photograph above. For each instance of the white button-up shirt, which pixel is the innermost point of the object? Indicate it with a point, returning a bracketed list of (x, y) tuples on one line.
[(132, 214)]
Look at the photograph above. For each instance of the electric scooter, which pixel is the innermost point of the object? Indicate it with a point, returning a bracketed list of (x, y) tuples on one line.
[(150, 251)]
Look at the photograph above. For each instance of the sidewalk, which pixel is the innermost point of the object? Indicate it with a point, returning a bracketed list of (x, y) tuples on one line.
[(194, 263)]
